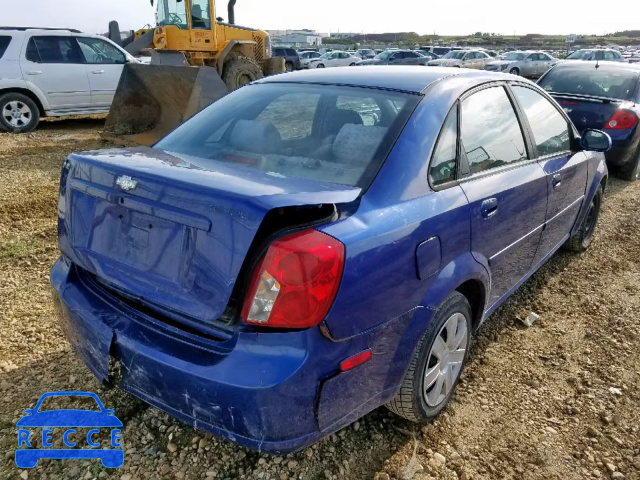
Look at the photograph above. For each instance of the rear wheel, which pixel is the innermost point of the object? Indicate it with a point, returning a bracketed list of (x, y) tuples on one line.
[(18, 113), (631, 170), (514, 71), (240, 71), (434, 370), (581, 240), (288, 66)]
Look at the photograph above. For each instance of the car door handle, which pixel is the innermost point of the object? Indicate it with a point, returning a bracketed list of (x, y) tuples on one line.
[(556, 181), (34, 72), (489, 207), (97, 72)]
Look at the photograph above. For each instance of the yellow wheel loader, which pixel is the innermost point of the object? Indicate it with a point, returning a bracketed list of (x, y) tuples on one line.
[(195, 59)]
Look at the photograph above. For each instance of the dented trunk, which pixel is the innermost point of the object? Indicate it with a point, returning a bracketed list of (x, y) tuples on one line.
[(176, 233)]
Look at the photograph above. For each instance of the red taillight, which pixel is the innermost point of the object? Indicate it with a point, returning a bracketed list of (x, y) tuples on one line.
[(298, 58), (295, 283), (621, 120), (356, 360)]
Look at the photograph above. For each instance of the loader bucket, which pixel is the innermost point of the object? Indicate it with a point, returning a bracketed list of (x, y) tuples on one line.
[(152, 100)]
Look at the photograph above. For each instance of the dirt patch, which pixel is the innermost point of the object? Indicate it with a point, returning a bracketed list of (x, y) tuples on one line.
[(557, 400)]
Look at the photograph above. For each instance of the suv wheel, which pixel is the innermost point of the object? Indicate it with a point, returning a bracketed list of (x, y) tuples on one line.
[(288, 66), (434, 370), (18, 113)]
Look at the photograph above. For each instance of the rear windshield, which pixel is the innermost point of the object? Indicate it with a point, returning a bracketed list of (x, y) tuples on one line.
[(317, 132), (4, 43), (600, 82)]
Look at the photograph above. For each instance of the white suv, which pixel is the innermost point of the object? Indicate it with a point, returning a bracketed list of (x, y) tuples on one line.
[(55, 73)]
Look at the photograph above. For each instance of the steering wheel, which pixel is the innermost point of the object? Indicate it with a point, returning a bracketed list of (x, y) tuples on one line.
[(175, 19)]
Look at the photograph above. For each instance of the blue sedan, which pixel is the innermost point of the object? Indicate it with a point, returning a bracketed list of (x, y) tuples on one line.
[(315, 245), (606, 96)]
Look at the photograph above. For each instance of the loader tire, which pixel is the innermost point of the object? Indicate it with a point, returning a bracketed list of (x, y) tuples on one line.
[(239, 71)]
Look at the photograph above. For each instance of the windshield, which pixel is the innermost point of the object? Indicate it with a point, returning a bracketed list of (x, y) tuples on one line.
[(383, 55), (456, 55), (172, 12), (316, 132), (579, 55), (601, 82), (515, 56)]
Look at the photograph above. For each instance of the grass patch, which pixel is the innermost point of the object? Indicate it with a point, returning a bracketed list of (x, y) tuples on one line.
[(17, 249)]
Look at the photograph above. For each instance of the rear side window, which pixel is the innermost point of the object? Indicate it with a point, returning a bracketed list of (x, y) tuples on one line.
[(4, 43), (53, 49), (601, 82), (316, 132), (490, 131), (550, 128)]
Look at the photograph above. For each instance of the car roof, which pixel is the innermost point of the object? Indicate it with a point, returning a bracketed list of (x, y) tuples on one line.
[(22, 29), (602, 65), (402, 78)]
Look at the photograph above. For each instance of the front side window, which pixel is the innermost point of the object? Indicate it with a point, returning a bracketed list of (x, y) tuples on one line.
[(316, 132), (172, 12), (443, 164), (100, 51), (53, 49), (490, 131), (550, 129), (200, 15)]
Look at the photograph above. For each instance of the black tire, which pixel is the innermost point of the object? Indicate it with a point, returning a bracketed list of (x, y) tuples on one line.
[(240, 71), (581, 240), (631, 170), (288, 67), (320, 65), (352, 64), (514, 71), (410, 401), (30, 113)]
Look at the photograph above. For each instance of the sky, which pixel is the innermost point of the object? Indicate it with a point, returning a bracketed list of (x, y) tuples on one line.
[(368, 16)]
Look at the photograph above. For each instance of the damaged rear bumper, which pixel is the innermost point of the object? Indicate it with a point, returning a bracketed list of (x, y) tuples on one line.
[(274, 392)]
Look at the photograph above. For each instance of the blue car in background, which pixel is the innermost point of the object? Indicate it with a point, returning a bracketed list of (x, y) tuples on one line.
[(315, 245), (37, 417), (605, 96)]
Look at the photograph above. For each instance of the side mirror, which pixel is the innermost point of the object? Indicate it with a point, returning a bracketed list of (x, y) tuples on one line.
[(595, 140)]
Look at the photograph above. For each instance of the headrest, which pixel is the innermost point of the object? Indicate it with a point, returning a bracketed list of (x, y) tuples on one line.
[(255, 137)]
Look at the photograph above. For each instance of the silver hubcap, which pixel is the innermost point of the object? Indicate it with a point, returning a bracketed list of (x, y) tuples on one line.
[(445, 360), (16, 113)]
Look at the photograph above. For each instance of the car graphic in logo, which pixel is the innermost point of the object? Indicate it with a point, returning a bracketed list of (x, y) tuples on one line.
[(125, 182), (69, 419)]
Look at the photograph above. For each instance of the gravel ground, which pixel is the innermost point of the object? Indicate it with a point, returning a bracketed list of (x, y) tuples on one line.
[(557, 400)]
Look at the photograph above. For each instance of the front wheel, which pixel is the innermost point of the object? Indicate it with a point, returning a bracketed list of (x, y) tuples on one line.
[(514, 71), (437, 362), (240, 71), (581, 240), (18, 113), (320, 65), (352, 64)]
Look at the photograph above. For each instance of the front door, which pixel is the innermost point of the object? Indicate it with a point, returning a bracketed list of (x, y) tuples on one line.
[(54, 64), (104, 64), (566, 171), (507, 191)]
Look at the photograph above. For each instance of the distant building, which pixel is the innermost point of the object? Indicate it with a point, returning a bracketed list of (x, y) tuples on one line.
[(295, 37)]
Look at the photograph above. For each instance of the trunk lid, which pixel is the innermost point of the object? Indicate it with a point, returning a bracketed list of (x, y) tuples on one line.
[(587, 112), (167, 230)]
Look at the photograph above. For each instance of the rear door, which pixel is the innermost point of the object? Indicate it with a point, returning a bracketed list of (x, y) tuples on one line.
[(507, 190), (54, 64), (104, 64), (530, 65), (566, 171)]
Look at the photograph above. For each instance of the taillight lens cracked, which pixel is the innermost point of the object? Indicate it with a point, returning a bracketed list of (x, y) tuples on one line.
[(296, 282)]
